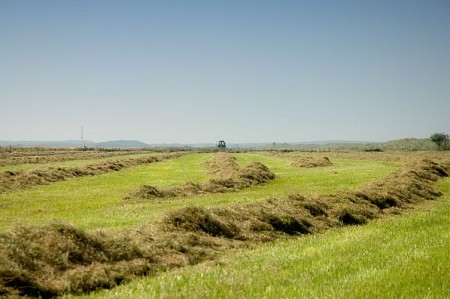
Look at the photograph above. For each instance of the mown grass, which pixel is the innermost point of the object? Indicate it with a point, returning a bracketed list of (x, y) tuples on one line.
[(98, 201), (345, 174), (71, 163), (399, 257)]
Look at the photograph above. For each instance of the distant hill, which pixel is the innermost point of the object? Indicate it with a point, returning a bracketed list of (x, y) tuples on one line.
[(408, 144), (63, 143), (122, 144), (78, 143)]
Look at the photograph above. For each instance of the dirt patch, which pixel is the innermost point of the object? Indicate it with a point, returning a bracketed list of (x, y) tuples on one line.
[(58, 258), (10, 180), (230, 176)]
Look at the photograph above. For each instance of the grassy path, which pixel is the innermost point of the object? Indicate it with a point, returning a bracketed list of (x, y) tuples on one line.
[(401, 257)]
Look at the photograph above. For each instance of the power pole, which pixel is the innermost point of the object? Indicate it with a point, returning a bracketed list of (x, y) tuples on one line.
[(82, 137)]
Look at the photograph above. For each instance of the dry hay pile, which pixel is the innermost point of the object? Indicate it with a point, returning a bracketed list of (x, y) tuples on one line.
[(10, 180), (230, 176), (222, 165), (311, 162), (55, 259)]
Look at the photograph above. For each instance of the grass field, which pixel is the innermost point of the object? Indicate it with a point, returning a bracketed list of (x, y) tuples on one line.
[(95, 202), (70, 163), (401, 256)]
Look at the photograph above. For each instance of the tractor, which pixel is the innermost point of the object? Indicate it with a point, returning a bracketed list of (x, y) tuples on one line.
[(221, 144)]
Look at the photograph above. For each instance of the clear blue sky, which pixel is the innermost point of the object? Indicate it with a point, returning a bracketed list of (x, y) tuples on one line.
[(243, 71)]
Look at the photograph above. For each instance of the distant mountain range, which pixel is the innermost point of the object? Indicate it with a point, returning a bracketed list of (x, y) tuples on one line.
[(79, 143), (408, 144), (139, 144)]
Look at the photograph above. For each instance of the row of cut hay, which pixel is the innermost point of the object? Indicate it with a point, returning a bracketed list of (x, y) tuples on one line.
[(311, 162), (222, 165), (10, 180), (58, 258), (304, 160), (47, 156), (297, 214), (230, 176), (399, 156)]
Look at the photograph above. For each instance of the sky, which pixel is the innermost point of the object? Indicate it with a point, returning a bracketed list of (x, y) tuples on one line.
[(239, 70)]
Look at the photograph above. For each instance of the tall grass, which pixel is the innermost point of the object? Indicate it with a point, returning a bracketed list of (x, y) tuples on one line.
[(398, 257)]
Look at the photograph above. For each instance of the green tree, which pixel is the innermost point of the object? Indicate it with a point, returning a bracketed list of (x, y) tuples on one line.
[(440, 139)]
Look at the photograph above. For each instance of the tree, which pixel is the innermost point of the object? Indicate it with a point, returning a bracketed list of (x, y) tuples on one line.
[(440, 139)]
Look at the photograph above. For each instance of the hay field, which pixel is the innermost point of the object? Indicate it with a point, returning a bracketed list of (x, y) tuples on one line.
[(99, 230)]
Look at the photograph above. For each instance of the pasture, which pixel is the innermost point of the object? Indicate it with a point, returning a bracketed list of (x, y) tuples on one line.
[(301, 225)]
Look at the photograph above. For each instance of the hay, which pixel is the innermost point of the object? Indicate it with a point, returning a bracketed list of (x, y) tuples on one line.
[(230, 176), (222, 165), (351, 218), (11, 180), (306, 160), (195, 219), (58, 258), (47, 155), (311, 162), (42, 261)]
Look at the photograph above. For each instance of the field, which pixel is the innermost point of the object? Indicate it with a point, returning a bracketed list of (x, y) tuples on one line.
[(243, 224)]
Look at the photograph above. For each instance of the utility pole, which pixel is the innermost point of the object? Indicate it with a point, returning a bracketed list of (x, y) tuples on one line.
[(82, 138)]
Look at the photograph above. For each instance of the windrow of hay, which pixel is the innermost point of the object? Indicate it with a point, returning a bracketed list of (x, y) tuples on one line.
[(399, 156), (311, 162), (307, 160), (58, 258), (43, 155), (10, 180), (230, 176), (222, 165)]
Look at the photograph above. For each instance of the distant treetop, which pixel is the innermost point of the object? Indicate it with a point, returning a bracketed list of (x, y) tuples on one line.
[(441, 140)]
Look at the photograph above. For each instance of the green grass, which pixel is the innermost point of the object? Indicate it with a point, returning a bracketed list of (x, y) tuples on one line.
[(71, 163), (400, 257), (97, 201), (344, 174)]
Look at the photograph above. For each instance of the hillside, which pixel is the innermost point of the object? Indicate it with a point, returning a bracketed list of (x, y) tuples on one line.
[(407, 144)]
